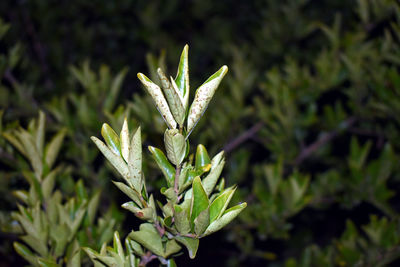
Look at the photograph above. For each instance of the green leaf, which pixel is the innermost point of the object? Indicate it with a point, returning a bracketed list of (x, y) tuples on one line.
[(36, 244), (211, 179), (171, 263), (135, 246), (40, 133), (182, 77), (11, 137), (159, 99), (31, 151), (25, 253), (52, 149), (132, 194), (114, 89), (181, 220), (169, 193), (202, 221), (192, 244), (173, 97), (202, 159), (146, 214), (92, 207), (199, 199), (114, 159), (135, 161), (219, 205), (111, 138), (93, 256), (21, 195), (163, 164), (47, 263), (48, 183), (148, 237), (203, 97), (124, 138), (175, 145), (171, 247), (117, 245), (226, 218)]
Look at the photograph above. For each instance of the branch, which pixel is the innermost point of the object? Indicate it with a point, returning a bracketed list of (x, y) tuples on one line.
[(37, 47), (311, 149), (243, 137)]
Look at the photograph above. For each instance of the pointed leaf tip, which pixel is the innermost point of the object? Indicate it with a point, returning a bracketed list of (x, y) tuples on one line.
[(111, 138), (203, 97)]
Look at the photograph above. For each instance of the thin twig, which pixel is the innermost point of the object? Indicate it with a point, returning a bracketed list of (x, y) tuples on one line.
[(176, 182), (311, 149), (243, 137), (146, 258), (37, 47)]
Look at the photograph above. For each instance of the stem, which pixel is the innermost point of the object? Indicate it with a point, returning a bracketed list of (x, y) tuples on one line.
[(160, 229), (176, 182), (148, 257), (243, 137)]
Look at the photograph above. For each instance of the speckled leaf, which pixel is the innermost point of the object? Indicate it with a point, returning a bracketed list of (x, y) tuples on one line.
[(159, 99), (135, 161), (114, 159), (226, 218), (111, 138), (182, 76), (203, 96), (173, 98)]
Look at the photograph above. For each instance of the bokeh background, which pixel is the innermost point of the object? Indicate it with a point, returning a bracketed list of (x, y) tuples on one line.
[(309, 114)]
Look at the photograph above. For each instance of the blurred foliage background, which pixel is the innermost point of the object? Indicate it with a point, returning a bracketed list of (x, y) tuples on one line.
[(309, 117)]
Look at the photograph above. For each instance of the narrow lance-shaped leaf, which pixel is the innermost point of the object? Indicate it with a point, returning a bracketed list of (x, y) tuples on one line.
[(114, 159), (52, 148), (124, 140), (219, 205), (111, 138), (40, 133), (173, 97), (135, 161), (203, 96), (212, 178), (182, 76), (226, 218), (199, 199), (159, 99), (167, 169), (25, 252)]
